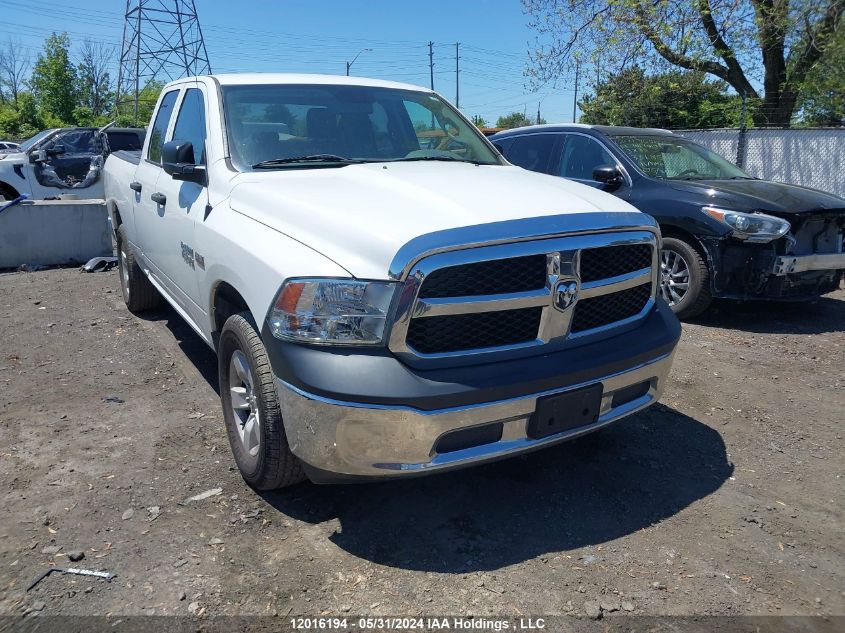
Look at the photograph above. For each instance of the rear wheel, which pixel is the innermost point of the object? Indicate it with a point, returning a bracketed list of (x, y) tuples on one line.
[(684, 278), (138, 293), (251, 408)]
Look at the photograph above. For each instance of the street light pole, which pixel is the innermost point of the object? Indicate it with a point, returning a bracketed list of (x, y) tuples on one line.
[(349, 64)]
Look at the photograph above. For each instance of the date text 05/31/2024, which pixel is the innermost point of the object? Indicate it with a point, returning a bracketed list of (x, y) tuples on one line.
[(416, 623)]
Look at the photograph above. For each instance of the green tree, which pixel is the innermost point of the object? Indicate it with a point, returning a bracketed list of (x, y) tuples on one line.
[(479, 121), (512, 120), (823, 97), (54, 80), (774, 44), (147, 98), (94, 86), (673, 100), (20, 120)]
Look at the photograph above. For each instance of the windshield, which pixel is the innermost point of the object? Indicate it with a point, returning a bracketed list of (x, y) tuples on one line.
[(272, 126), (28, 143), (674, 158)]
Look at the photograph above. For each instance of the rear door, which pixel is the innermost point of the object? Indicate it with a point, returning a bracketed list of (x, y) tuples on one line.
[(148, 211), (184, 205), (535, 152)]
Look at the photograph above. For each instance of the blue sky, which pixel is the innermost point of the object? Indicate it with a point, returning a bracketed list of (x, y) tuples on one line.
[(312, 36)]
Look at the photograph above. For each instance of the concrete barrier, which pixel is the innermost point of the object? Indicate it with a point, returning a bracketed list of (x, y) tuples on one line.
[(53, 232)]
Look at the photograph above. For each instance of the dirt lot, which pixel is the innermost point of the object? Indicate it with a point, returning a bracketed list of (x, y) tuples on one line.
[(725, 499)]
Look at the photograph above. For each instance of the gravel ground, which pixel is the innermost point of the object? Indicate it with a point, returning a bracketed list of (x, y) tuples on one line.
[(727, 498)]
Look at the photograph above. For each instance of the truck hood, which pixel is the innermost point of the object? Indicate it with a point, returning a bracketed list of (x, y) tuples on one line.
[(360, 215), (776, 198)]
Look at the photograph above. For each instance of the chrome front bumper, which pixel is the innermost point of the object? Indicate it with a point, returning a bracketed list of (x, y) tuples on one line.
[(372, 441)]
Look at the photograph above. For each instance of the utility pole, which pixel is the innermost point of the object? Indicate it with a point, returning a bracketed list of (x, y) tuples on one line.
[(162, 41), (457, 75), (575, 97), (431, 62), (538, 113)]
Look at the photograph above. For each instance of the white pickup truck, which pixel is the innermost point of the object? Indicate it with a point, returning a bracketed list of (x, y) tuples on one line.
[(386, 295)]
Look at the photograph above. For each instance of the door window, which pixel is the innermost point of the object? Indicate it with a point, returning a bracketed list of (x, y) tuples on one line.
[(159, 129), (190, 124), (533, 151), (581, 155)]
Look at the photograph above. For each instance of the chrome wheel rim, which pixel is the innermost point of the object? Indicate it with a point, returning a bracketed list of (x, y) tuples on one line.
[(674, 277), (124, 273), (244, 403)]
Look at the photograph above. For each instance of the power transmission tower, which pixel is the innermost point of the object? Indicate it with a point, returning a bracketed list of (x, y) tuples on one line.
[(162, 41)]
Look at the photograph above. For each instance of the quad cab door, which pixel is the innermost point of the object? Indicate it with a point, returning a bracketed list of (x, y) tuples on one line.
[(182, 205), (148, 211)]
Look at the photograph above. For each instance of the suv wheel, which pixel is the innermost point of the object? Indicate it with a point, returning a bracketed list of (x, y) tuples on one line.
[(684, 278), (251, 408)]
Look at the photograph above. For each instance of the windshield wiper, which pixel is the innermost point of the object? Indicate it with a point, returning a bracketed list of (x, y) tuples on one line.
[(441, 158), (311, 158)]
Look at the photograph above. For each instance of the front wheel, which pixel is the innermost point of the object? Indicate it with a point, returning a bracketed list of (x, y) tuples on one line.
[(684, 278), (251, 408)]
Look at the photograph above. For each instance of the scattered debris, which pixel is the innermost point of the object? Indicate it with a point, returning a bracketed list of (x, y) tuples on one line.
[(610, 605), (155, 512), (203, 495), (99, 264), (128, 514), (71, 570), (51, 549), (114, 399), (593, 610), (76, 555)]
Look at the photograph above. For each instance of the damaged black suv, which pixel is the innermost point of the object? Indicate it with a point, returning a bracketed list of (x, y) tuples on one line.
[(725, 233)]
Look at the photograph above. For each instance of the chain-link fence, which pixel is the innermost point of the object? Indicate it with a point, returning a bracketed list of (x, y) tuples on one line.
[(812, 157)]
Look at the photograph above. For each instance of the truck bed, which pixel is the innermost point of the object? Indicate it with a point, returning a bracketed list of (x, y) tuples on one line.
[(129, 155)]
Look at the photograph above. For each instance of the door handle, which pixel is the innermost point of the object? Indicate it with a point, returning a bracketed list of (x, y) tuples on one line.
[(135, 186), (159, 198)]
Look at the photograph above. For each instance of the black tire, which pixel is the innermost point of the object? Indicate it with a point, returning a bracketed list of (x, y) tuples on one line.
[(269, 464), (697, 298), (138, 293)]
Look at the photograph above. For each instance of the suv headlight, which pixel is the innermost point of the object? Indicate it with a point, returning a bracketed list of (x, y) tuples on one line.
[(751, 227), (332, 311)]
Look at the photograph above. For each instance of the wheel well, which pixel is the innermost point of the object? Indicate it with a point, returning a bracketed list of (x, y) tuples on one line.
[(226, 302), (115, 215), (686, 236), (8, 191)]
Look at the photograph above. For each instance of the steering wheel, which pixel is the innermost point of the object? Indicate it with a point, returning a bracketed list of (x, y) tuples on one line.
[(451, 131), (687, 172)]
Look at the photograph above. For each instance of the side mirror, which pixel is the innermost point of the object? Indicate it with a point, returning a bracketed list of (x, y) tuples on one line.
[(56, 150), (608, 175), (177, 159)]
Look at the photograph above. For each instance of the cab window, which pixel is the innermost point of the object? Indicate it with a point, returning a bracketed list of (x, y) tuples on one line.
[(190, 124), (159, 128)]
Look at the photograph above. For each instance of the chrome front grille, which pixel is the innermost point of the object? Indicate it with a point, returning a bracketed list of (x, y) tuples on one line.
[(516, 295)]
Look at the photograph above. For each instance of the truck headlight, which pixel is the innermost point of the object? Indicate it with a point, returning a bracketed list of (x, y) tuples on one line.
[(751, 227), (332, 311)]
